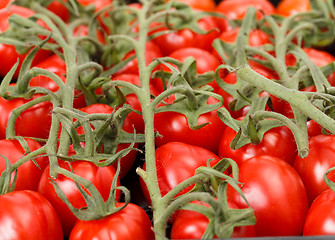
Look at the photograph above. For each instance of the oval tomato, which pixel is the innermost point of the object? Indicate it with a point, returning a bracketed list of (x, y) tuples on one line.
[(192, 225), (28, 174), (313, 167), (321, 215), (278, 142), (175, 162), (132, 222), (28, 215), (101, 177), (276, 193)]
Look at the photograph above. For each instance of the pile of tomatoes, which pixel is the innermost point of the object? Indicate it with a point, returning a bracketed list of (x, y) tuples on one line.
[(76, 135)]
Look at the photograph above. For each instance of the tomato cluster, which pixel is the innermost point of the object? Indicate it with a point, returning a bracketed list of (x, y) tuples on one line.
[(94, 111)]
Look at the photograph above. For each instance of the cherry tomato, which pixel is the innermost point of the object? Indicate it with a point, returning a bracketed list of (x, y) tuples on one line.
[(205, 5), (321, 215), (28, 174), (132, 222), (278, 142), (175, 162), (289, 8), (276, 193), (313, 167), (192, 225), (101, 177), (28, 215)]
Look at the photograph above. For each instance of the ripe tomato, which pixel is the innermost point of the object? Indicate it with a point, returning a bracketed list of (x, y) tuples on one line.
[(132, 222), (4, 3), (33, 122), (175, 162), (276, 193), (205, 5), (101, 177), (289, 8), (313, 167), (8, 54), (127, 161), (236, 9), (28, 215), (321, 215), (28, 174), (192, 225), (173, 127), (277, 142)]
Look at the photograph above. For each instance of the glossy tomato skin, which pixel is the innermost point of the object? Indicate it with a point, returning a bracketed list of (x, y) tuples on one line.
[(321, 215), (173, 127), (101, 177), (313, 167), (278, 142), (276, 193), (289, 8), (190, 224), (175, 163), (28, 174), (28, 215), (132, 222)]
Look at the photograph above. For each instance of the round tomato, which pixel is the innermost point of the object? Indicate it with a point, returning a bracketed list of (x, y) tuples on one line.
[(28, 174), (278, 142), (132, 222), (313, 167), (192, 225), (276, 193), (289, 8), (175, 162), (101, 177), (173, 127), (320, 218), (28, 215)]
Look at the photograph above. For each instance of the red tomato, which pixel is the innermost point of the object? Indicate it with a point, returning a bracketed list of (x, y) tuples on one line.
[(132, 222), (173, 127), (4, 3), (28, 174), (277, 142), (175, 162), (8, 54), (28, 215), (321, 215), (101, 177), (127, 161), (289, 8), (276, 193), (205, 5), (33, 122), (313, 167), (236, 9), (56, 65), (192, 225), (173, 41)]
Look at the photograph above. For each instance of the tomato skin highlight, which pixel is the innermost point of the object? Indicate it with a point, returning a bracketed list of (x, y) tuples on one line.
[(276, 193), (132, 222), (28, 215)]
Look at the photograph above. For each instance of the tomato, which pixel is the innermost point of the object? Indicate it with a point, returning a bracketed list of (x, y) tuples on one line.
[(4, 3), (190, 224), (277, 142), (313, 167), (175, 162), (28, 174), (101, 177), (173, 127), (132, 222), (8, 53), (205, 5), (321, 215), (28, 215), (33, 122), (236, 9), (289, 8), (178, 39), (127, 161), (276, 193)]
